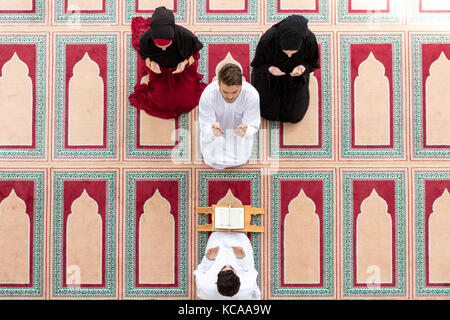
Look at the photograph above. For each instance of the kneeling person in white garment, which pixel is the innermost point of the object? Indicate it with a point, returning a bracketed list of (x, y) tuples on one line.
[(229, 117), (227, 270)]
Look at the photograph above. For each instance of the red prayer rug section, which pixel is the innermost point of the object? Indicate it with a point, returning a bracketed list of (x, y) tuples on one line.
[(221, 48), (428, 12), (377, 58), (430, 94), (374, 233), (149, 137), (218, 55), (157, 212), (22, 236), (145, 8), (84, 234), (220, 12), (432, 276), (370, 12), (23, 75), (86, 107), (316, 11), (371, 96), (302, 249), (234, 187), (310, 138), (23, 11), (73, 13)]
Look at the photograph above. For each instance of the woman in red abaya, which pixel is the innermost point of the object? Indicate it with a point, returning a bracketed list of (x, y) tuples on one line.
[(171, 54)]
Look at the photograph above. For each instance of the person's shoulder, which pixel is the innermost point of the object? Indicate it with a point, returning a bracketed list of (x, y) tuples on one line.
[(183, 30), (310, 37), (249, 88), (214, 85), (268, 35), (211, 88)]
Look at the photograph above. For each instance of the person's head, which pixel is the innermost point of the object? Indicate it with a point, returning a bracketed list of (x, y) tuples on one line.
[(228, 282), (291, 32), (162, 27), (230, 81)]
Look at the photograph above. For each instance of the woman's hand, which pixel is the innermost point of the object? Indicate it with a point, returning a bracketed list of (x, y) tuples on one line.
[(181, 66), (276, 72), (297, 71), (152, 65)]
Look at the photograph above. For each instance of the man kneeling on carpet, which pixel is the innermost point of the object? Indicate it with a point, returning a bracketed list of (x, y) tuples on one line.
[(229, 116), (227, 269)]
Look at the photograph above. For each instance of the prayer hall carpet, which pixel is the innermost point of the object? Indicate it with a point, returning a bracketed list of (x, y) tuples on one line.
[(99, 201)]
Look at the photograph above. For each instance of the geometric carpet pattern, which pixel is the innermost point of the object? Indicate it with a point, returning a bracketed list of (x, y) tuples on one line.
[(99, 200)]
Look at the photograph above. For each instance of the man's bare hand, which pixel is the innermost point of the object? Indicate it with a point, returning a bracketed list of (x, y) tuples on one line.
[(211, 254), (239, 252), (241, 130), (297, 71), (276, 71), (152, 65), (218, 131)]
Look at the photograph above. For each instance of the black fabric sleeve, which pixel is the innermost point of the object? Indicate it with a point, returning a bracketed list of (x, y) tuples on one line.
[(312, 54), (263, 53), (142, 43), (188, 42)]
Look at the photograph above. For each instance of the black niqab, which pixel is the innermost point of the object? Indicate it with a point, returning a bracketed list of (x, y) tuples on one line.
[(291, 33), (162, 26)]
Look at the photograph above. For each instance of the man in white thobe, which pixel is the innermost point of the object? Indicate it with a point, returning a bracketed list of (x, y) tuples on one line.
[(228, 259), (229, 117)]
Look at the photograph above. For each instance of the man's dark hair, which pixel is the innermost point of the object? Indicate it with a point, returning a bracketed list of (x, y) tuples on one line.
[(228, 283), (230, 74)]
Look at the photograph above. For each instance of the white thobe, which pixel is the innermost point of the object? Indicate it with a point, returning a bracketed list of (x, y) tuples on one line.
[(228, 150), (207, 270)]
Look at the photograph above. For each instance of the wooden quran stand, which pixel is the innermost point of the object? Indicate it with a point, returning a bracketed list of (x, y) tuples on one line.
[(248, 213)]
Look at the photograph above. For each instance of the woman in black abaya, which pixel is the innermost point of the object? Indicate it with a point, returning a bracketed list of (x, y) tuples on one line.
[(285, 56)]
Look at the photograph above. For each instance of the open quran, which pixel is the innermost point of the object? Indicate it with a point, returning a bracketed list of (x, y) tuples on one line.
[(229, 217)]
